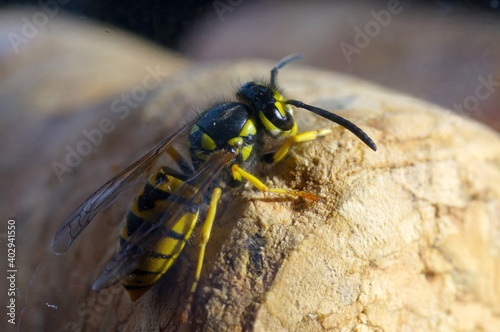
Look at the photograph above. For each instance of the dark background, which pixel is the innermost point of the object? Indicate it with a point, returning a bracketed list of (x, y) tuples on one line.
[(165, 22)]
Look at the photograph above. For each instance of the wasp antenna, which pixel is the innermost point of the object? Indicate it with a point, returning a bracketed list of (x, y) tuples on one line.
[(337, 119), (283, 62)]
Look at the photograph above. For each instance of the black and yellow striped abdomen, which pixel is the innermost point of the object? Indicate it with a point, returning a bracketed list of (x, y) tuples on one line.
[(148, 207)]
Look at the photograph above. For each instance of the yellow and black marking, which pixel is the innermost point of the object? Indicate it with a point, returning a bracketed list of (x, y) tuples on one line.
[(225, 126), (148, 208), (224, 142)]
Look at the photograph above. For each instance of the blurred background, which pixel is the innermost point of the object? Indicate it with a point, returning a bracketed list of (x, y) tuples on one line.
[(445, 52)]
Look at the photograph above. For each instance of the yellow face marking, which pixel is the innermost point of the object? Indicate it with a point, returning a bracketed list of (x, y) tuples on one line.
[(269, 125), (278, 96), (280, 108), (284, 109), (280, 103)]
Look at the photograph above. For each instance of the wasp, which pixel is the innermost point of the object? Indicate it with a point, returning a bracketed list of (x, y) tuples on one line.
[(224, 142)]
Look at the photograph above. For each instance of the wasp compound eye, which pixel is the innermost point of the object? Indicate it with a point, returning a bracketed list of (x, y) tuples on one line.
[(281, 119)]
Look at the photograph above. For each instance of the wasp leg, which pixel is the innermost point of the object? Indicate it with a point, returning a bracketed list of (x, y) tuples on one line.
[(299, 138), (239, 173), (205, 236)]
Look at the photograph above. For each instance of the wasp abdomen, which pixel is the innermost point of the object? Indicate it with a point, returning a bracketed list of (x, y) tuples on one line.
[(154, 199)]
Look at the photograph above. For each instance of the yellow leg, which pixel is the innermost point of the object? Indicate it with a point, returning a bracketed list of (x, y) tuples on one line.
[(205, 236), (239, 173), (299, 138)]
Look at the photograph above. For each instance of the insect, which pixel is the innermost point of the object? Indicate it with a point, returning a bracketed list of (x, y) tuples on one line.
[(224, 141)]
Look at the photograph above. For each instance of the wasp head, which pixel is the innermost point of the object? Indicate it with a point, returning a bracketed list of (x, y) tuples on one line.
[(270, 108)]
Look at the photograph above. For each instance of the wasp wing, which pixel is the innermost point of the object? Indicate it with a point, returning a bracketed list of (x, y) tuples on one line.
[(108, 193), (142, 241)]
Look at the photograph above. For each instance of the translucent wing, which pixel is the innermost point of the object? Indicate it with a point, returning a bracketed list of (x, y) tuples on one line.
[(147, 235), (107, 194)]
